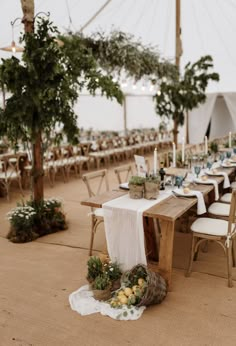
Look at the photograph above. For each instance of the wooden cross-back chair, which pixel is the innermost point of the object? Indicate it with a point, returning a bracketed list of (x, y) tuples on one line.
[(9, 172), (123, 173), (96, 183), (221, 231)]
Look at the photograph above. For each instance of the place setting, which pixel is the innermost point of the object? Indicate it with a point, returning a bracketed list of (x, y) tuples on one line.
[(184, 190)]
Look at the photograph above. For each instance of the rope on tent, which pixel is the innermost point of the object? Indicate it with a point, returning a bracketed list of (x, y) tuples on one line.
[(95, 15)]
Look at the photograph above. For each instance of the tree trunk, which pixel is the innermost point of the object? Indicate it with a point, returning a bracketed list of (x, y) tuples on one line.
[(37, 157)]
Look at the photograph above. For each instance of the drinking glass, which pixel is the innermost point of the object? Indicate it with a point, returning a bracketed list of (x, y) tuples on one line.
[(178, 181), (197, 170), (222, 156), (234, 150), (228, 154)]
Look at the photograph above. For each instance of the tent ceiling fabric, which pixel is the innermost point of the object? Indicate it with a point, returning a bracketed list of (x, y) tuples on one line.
[(208, 27)]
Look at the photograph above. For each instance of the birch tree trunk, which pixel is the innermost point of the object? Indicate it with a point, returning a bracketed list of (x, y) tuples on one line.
[(37, 157)]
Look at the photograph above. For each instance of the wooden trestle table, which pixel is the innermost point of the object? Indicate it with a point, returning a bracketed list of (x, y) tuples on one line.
[(167, 212)]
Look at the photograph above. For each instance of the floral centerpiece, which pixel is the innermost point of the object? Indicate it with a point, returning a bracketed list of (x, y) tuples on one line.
[(30, 220)]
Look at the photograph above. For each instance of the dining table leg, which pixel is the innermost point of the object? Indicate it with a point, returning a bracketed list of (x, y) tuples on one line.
[(166, 250)]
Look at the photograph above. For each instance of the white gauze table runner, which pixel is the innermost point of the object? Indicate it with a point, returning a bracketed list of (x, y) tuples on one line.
[(123, 219)]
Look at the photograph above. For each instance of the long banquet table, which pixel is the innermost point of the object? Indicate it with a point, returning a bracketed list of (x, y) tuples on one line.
[(167, 212)]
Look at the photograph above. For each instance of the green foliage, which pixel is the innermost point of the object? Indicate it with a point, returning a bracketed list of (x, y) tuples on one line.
[(117, 53), (182, 93), (112, 270), (95, 268), (101, 282), (153, 179), (214, 147), (136, 180), (43, 87), (86, 68), (32, 219)]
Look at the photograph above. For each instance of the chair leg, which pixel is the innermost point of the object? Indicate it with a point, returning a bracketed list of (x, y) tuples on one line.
[(229, 264), (189, 270), (92, 236), (233, 252)]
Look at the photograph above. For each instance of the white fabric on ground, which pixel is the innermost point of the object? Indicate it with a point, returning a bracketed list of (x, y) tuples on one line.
[(83, 302)]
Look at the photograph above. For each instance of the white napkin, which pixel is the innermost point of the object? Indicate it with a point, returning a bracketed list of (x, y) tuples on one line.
[(226, 183), (201, 207), (211, 182)]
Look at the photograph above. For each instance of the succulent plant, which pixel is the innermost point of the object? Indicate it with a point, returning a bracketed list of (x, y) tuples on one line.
[(101, 282), (136, 180), (153, 179)]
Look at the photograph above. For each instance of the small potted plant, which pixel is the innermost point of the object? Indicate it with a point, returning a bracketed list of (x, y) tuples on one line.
[(136, 187), (95, 268), (101, 287), (214, 149), (114, 273), (151, 187)]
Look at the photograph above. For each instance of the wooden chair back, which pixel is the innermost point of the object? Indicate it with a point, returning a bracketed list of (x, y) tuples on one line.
[(123, 173), (96, 182), (232, 214)]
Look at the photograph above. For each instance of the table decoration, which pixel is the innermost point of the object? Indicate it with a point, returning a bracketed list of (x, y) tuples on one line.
[(201, 207), (136, 187), (216, 172), (207, 181), (151, 187), (123, 220)]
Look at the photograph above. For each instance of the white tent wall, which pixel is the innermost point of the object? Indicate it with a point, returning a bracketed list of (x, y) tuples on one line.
[(221, 120), (99, 113), (220, 109), (102, 114)]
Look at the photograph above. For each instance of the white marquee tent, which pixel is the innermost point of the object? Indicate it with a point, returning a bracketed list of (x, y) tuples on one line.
[(208, 27)]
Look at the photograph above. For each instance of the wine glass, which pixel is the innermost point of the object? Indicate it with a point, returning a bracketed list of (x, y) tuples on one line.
[(197, 170), (228, 154), (222, 156), (178, 180)]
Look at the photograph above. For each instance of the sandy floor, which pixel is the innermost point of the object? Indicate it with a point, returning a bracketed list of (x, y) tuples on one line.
[(36, 279)]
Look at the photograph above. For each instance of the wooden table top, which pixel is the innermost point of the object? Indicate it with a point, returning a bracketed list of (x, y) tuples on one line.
[(97, 201), (170, 208)]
